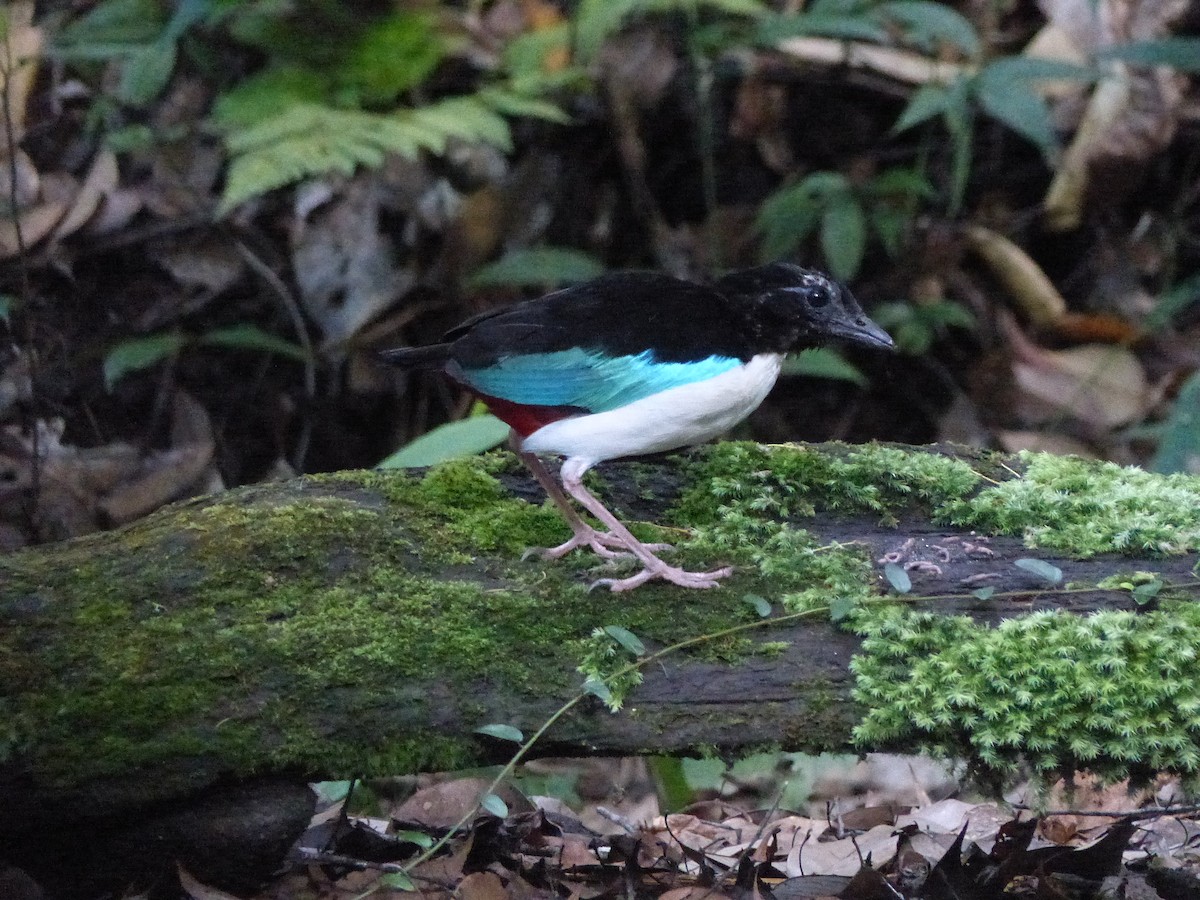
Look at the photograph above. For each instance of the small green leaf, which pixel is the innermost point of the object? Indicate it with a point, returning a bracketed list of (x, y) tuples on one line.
[(840, 607), (983, 593), (251, 337), (597, 688), (926, 103), (897, 578), (453, 440), (928, 23), (392, 54), (146, 73), (1013, 101), (1182, 53), (539, 267), (626, 639), (823, 362), (332, 791), (397, 881), (502, 732), (7, 304), (493, 804), (139, 353), (1041, 568), (759, 604), (843, 235), (1173, 302), (1179, 447), (420, 838), (784, 220), (1144, 593)]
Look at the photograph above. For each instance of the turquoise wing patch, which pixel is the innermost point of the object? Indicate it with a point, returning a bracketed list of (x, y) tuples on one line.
[(587, 378)]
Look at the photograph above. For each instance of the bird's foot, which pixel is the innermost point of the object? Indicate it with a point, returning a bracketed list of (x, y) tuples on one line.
[(604, 544), (672, 574)]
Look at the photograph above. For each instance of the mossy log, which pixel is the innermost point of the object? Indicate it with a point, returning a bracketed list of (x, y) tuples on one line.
[(367, 623)]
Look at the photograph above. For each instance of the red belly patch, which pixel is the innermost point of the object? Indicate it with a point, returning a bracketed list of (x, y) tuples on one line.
[(525, 420)]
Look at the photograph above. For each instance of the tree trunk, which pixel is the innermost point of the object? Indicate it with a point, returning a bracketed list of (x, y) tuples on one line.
[(368, 623)]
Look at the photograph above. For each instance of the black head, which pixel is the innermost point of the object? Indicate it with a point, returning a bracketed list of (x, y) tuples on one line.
[(791, 308)]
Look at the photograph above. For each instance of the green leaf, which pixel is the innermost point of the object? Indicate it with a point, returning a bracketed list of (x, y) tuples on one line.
[(139, 353), (7, 304), (502, 733), (785, 220), (929, 23), (251, 337), (332, 791), (453, 440), (983, 593), (146, 73), (1041, 568), (420, 838), (1182, 53), (843, 236), (897, 578), (494, 805), (929, 101), (512, 103), (399, 881), (758, 604), (265, 94), (778, 28), (392, 55), (538, 267), (1144, 593), (1179, 447), (840, 607), (626, 639), (1179, 298), (597, 688), (1014, 102), (114, 23), (901, 182), (823, 362)]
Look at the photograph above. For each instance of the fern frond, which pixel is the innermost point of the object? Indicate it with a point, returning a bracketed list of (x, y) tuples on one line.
[(308, 139)]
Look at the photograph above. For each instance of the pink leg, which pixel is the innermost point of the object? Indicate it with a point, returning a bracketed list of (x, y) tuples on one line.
[(584, 535), (653, 567)]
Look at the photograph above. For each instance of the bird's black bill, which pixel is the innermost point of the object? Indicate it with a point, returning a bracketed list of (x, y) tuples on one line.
[(862, 332)]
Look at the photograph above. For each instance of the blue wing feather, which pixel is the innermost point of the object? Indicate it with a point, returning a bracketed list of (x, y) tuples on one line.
[(588, 378)]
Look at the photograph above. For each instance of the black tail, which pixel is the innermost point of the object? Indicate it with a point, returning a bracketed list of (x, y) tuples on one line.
[(432, 357)]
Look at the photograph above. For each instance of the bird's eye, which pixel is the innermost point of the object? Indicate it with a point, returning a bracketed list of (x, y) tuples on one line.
[(817, 296)]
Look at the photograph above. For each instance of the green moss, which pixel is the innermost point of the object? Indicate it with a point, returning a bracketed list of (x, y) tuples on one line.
[(1085, 507), (1108, 691)]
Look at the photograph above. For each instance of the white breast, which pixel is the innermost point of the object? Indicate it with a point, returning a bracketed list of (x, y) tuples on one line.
[(678, 417)]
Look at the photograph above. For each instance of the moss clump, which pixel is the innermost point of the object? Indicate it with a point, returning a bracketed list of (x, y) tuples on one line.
[(1104, 691), (1085, 507)]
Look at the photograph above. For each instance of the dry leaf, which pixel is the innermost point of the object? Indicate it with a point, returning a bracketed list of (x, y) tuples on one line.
[(1024, 279), (19, 54), (100, 181), (34, 223), (1101, 386), (197, 891)]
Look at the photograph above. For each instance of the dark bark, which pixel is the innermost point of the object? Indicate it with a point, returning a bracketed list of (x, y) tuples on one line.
[(286, 715)]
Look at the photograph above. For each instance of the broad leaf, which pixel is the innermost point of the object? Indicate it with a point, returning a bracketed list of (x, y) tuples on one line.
[(626, 639), (823, 362), (465, 437), (502, 732), (493, 804), (1182, 53), (1041, 568), (897, 578), (758, 604), (1179, 448), (929, 101), (843, 236), (1014, 102), (146, 73), (139, 353), (251, 337), (538, 267), (929, 23)]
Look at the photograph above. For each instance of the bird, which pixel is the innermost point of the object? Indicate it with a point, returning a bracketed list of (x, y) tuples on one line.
[(637, 363)]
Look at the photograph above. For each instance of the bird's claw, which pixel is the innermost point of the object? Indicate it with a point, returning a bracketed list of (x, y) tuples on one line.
[(671, 574), (600, 542)]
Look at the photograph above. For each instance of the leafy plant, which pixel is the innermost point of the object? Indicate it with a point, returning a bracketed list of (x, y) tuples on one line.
[(137, 354), (922, 24), (841, 213), (596, 20), (915, 326)]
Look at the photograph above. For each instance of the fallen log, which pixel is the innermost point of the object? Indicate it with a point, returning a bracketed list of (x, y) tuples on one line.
[(367, 623)]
